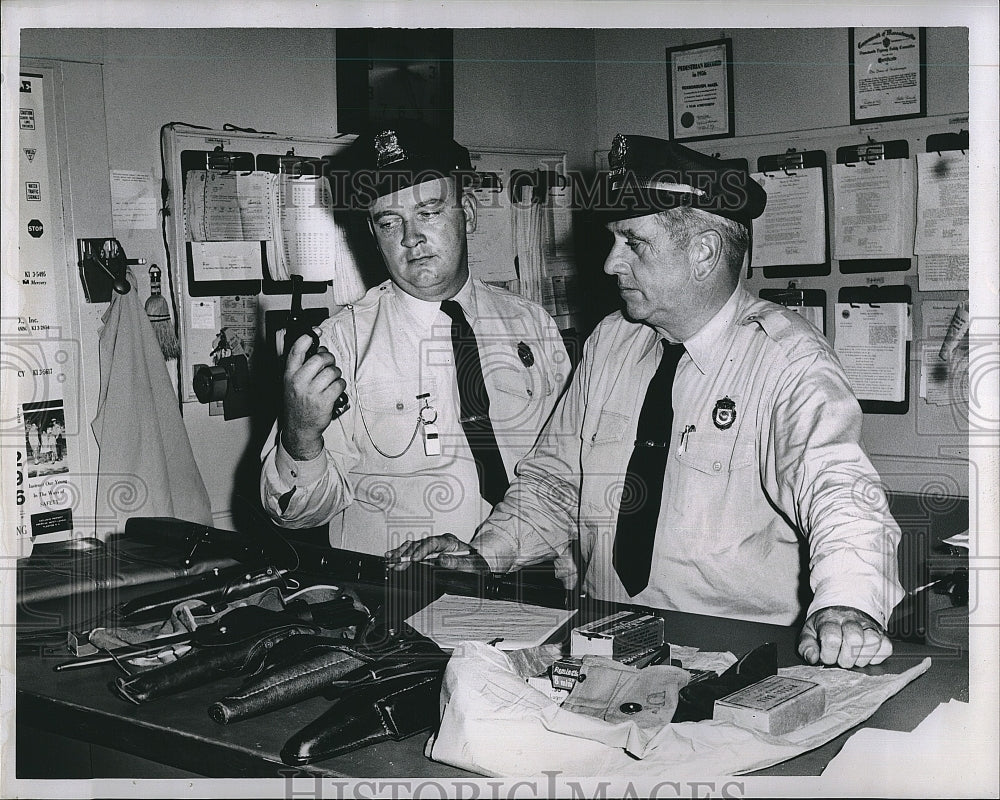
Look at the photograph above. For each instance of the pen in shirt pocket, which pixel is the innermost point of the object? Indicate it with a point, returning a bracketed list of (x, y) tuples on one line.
[(685, 436)]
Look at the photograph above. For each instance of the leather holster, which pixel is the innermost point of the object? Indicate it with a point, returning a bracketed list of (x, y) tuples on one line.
[(396, 706), (239, 642)]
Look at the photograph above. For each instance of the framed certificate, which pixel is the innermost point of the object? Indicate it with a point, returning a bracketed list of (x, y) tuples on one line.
[(700, 90), (888, 74)]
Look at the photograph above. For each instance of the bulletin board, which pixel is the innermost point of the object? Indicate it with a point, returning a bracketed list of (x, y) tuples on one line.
[(207, 306), (523, 237), (251, 302), (928, 444)]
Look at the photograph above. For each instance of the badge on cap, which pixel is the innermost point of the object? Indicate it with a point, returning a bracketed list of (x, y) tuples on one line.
[(525, 354), (724, 413), (616, 158), (387, 149)]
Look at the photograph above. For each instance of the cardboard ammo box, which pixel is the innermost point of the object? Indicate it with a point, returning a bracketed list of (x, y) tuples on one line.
[(776, 705), (625, 636)]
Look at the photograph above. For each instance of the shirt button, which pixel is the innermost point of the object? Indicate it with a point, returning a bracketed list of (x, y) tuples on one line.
[(530, 393), (717, 466), (399, 406), (294, 474)]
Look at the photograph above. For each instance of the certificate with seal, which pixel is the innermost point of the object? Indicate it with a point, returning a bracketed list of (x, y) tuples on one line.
[(700, 79), (888, 78)]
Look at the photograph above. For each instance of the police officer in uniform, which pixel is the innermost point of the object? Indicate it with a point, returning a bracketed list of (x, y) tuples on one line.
[(706, 454), (450, 379)]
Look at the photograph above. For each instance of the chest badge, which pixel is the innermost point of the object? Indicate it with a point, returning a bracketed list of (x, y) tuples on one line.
[(724, 413), (525, 354)]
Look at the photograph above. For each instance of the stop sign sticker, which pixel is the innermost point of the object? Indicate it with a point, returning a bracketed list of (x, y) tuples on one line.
[(34, 228)]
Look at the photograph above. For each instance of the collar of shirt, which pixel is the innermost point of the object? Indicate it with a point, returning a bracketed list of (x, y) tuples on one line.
[(426, 311), (706, 347), (703, 348)]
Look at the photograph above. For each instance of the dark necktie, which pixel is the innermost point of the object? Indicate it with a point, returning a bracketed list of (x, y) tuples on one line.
[(475, 406), (643, 491)]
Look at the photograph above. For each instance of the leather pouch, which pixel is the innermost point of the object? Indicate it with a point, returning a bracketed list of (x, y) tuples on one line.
[(394, 707), (309, 671), (238, 643)]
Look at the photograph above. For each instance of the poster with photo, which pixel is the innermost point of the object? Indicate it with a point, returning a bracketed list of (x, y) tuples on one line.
[(46, 496)]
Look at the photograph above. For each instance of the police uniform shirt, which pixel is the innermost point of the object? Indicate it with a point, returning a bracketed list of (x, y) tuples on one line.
[(374, 481), (764, 453)]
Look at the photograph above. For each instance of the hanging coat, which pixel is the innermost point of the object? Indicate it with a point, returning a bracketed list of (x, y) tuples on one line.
[(145, 466)]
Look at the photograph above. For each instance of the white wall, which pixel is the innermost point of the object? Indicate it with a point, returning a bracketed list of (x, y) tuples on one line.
[(564, 89), (784, 80)]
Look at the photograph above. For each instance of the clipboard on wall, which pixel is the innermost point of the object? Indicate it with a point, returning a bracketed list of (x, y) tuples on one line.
[(808, 303), (870, 152), (789, 163), (221, 162), (198, 253), (297, 168), (941, 142), (881, 297)]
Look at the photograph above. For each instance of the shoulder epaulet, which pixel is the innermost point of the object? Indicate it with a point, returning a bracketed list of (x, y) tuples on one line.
[(783, 326), (500, 290), (775, 320), (368, 302)]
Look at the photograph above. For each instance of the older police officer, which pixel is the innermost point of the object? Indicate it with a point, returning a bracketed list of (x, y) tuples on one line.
[(450, 378), (707, 451)]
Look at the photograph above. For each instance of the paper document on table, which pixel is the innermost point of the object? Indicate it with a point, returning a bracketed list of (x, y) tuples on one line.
[(870, 340), (452, 619), (873, 209), (792, 229), (944, 746), (942, 203)]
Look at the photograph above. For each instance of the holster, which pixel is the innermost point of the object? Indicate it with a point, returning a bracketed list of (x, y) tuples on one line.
[(393, 707), (238, 643)]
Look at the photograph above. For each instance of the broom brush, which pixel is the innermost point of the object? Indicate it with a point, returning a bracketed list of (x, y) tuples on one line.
[(158, 312)]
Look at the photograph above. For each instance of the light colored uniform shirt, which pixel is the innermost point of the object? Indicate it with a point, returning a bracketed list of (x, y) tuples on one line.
[(374, 482), (739, 501)]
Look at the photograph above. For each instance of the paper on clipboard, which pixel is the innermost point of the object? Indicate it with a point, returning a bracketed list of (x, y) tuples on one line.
[(227, 206), (792, 229), (870, 340), (491, 245), (873, 216), (452, 619), (942, 204)]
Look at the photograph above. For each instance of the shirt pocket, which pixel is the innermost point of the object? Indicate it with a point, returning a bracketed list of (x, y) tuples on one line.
[(706, 467), (715, 452), (390, 412)]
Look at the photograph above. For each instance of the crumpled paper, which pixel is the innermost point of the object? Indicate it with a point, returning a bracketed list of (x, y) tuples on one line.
[(494, 724)]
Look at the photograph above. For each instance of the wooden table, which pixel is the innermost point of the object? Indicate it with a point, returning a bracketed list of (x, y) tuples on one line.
[(71, 725)]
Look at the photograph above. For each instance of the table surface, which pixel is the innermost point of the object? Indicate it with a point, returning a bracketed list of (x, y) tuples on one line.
[(178, 731)]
